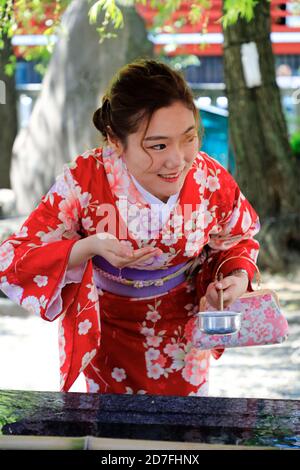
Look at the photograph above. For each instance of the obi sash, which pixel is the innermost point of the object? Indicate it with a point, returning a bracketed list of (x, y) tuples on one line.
[(142, 283)]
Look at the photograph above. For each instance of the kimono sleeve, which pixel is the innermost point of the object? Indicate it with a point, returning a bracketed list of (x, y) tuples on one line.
[(232, 239), (33, 261)]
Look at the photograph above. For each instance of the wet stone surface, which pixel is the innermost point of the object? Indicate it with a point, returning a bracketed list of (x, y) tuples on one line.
[(235, 421)]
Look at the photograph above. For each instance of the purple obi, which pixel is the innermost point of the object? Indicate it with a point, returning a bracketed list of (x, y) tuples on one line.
[(142, 283)]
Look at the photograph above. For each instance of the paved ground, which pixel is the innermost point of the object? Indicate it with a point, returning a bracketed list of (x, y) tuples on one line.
[(29, 354), (28, 351)]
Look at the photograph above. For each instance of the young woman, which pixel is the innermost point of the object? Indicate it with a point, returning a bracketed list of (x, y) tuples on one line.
[(127, 241)]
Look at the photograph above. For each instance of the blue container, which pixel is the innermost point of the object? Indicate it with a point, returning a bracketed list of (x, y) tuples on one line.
[(216, 138), (26, 73)]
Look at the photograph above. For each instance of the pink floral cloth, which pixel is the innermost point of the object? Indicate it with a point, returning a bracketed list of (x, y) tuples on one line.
[(211, 221), (261, 323)]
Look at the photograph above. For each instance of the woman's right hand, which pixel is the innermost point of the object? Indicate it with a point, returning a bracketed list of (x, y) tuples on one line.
[(118, 254)]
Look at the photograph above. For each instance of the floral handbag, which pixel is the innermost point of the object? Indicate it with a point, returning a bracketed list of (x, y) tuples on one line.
[(262, 321)]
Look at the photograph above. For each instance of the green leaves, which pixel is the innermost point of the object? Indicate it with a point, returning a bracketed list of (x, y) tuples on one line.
[(112, 16), (197, 10), (9, 68), (29, 15), (235, 9), (6, 19)]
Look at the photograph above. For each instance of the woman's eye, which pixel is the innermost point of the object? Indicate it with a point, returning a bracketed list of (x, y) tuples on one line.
[(163, 146), (155, 147)]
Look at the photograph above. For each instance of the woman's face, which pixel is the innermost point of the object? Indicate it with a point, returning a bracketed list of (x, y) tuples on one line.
[(172, 142)]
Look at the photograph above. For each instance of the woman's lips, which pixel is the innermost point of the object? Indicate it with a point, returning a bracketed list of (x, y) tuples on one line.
[(171, 178)]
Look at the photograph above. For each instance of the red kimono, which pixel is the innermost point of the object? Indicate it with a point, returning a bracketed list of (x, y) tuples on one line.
[(127, 344)]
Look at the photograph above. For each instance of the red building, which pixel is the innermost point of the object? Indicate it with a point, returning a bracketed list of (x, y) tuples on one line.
[(208, 32), (285, 36)]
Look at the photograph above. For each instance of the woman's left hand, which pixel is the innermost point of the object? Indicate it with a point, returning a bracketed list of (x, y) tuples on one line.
[(233, 287)]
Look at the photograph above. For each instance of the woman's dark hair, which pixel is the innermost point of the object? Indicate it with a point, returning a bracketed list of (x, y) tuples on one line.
[(135, 93)]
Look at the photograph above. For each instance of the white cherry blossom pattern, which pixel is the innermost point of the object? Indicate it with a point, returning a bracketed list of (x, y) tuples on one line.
[(139, 222), (92, 386), (84, 327), (177, 356), (172, 240), (93, 294), (172, 349), (154, 371), (114, 168), (200, 175), (213, 183), (87, 223), (205, 216), (68, 212), (195, 369), (154, 341), (193, 243), (246, 220), (152, 314), (84, 198), (87, 359), (118, 374), (13, 292), (40, 280), (192, 309), (129, 391), (6, 255), (52, 236), (152, 354), (147, 331)]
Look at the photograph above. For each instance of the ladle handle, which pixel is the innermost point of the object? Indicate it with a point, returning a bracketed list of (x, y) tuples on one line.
[(258, 276), (220, 293)]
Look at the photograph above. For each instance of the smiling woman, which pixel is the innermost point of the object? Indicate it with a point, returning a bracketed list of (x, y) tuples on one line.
[(125, 283), (159, 127)]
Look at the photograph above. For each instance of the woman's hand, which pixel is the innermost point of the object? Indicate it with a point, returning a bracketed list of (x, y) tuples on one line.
[(233, 287), (118, 254)]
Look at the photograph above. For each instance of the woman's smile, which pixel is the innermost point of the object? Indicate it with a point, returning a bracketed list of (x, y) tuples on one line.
[(170, 177)]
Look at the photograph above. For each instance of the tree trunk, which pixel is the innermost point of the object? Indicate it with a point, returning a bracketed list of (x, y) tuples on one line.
[(267, 172), (60, 126), (8, 114)]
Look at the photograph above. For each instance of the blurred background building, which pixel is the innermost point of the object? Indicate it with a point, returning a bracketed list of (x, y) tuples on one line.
[(196, 49)]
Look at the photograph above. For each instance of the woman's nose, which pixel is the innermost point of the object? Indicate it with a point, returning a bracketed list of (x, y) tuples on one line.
[(175, 159)]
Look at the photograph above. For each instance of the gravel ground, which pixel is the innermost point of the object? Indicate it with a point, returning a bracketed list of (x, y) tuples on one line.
[(29, 352)]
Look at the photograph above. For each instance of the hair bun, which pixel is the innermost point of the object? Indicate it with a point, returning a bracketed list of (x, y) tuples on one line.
[(98, 121), (101, 117)]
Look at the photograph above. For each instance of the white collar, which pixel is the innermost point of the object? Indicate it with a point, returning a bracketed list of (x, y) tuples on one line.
[(153, 199)]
